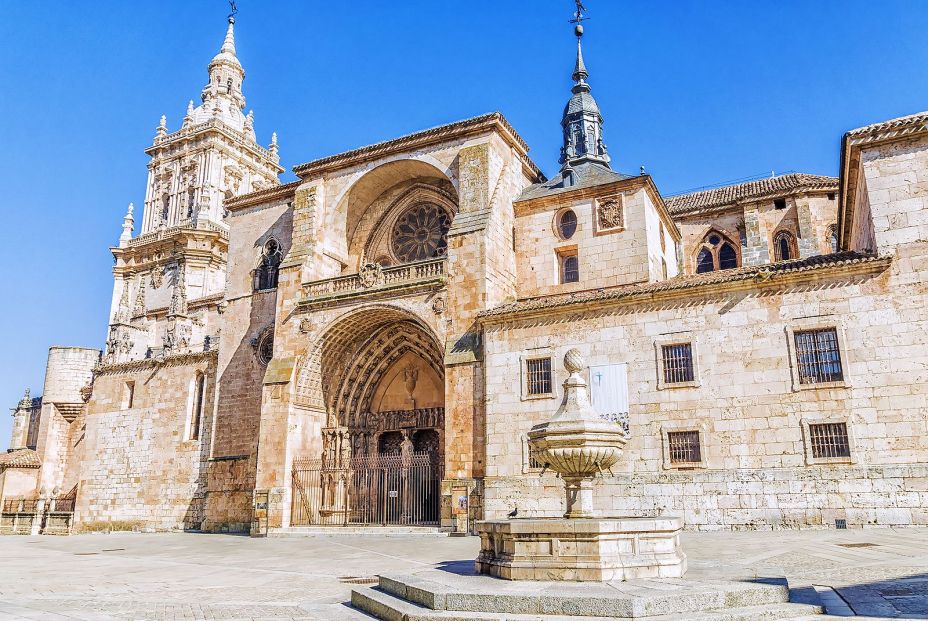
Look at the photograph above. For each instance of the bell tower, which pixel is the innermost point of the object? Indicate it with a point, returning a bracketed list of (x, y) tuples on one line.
[(170, 279)]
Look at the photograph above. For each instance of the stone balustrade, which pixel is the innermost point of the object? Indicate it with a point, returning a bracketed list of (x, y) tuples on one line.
[(373, 277)]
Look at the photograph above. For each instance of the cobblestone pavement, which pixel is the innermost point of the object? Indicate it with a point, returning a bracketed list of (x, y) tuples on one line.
[(140, 577)]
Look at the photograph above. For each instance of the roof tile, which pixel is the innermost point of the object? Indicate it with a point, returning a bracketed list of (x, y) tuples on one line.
[(691, 202)]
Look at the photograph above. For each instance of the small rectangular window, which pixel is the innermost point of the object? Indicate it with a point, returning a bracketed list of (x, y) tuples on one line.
[(829, 440), (779, 203), (570, 267), (831, 196), (538, 376), (128, 398), (684, 447), (818, 357), (678, 363)]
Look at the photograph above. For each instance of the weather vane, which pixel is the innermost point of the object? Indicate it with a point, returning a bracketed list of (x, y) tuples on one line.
[(234, 8), (578, 15)]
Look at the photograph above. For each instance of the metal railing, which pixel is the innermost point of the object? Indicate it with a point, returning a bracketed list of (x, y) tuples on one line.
[(384, 490), (373, 276)]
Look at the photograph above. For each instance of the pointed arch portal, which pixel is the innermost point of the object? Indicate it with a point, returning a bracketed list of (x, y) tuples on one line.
[(381, 383)]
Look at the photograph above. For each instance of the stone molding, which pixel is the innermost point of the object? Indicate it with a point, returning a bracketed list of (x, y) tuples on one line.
[(151, 363), (493, 121), (800, 271)]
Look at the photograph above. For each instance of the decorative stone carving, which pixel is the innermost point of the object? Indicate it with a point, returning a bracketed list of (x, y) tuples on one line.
[(609, 212), (438, 305), (139, 308), (157, 277), (370, 275), (306, 325)]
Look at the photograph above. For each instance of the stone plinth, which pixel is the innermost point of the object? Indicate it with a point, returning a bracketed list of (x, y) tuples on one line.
[(581, 549)]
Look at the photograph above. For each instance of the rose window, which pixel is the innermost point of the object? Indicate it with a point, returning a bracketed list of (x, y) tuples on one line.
[(421, 232)]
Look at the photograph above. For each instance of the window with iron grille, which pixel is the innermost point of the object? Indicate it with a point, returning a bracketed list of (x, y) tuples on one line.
[(534, 463), (684, 447), (570, 268), (538, 376), (829, 440), (678, 363), (818, 357)]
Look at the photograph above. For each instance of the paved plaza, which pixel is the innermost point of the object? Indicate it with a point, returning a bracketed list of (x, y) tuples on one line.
[(135, 577)]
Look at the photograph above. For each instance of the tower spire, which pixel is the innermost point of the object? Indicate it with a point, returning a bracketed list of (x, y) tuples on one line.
[(582, 123)]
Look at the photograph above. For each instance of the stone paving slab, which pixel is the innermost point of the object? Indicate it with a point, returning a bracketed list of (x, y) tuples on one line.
[(173, 577)]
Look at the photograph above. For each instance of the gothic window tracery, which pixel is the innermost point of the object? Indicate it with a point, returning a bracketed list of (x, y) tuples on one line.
[(267, 272), (421, 232), (716, 252), (265, 347)]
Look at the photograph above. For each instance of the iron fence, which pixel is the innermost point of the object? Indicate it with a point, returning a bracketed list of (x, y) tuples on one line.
[(382, 490)]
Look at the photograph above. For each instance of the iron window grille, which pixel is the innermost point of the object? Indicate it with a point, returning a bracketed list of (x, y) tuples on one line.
[(684, 447), (818, 356), (829, 440), (538, 376), (570, 269), (678, 363)]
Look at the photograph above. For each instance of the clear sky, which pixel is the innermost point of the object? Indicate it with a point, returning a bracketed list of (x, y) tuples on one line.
[(699, 92)]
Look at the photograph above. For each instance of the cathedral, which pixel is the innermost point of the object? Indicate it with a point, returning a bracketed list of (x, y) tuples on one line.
[(369, 344)]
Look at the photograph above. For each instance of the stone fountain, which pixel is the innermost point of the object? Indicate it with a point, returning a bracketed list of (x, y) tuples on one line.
[(582, 546), (581, 565)]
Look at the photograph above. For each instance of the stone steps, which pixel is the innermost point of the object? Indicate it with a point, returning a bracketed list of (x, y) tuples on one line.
[(587, 600), (436, 595), (388, 607), (353, 531)]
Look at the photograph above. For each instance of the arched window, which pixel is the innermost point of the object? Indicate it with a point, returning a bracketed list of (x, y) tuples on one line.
[(265, 347), (567, 224), (783, 247), (716, 253), (833, 237), (266, 274)]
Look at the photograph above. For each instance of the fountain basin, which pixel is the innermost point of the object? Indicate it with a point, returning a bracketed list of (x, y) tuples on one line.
[(581, 549)]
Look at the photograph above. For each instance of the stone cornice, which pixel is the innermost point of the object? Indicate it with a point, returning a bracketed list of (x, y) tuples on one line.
[(752, 278), (171, 244), (493, 121), (267, 195), (215, 126), (174, 360)]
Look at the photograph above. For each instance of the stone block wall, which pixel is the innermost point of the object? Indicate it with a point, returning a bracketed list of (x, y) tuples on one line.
[(751, 499), (140, 463), (746, 404)]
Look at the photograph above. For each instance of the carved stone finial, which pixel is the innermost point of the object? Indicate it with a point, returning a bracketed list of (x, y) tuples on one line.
[(573, 361), (128, 224), (162, 127)]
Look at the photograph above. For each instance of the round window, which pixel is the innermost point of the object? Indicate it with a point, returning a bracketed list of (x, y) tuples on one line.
[(421, 232), (567, 224)]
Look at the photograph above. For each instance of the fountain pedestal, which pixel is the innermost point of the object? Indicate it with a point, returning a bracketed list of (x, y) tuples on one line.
[(579, 445)]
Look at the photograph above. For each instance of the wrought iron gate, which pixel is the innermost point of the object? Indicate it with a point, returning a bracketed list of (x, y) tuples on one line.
[(380, 490)]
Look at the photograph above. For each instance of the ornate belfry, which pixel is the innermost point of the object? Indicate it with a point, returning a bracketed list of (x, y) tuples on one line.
[(369, 390)]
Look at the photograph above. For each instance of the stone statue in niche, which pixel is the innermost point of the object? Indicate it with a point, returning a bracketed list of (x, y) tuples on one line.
[(410, 378), (157, 277)]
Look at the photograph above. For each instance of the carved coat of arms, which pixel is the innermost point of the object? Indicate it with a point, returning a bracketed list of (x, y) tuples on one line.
[(609, 213), (370, 275)]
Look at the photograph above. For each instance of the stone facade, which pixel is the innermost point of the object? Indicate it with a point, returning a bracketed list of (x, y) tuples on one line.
[(413, 299)]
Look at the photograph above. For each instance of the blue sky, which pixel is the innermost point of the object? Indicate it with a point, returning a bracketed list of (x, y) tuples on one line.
[(698, 92)]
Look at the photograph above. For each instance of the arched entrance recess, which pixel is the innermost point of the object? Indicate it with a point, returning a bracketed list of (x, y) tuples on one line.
[(382, 386)]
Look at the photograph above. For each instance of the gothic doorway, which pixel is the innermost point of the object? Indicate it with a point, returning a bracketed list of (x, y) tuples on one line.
[(382, 383)]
